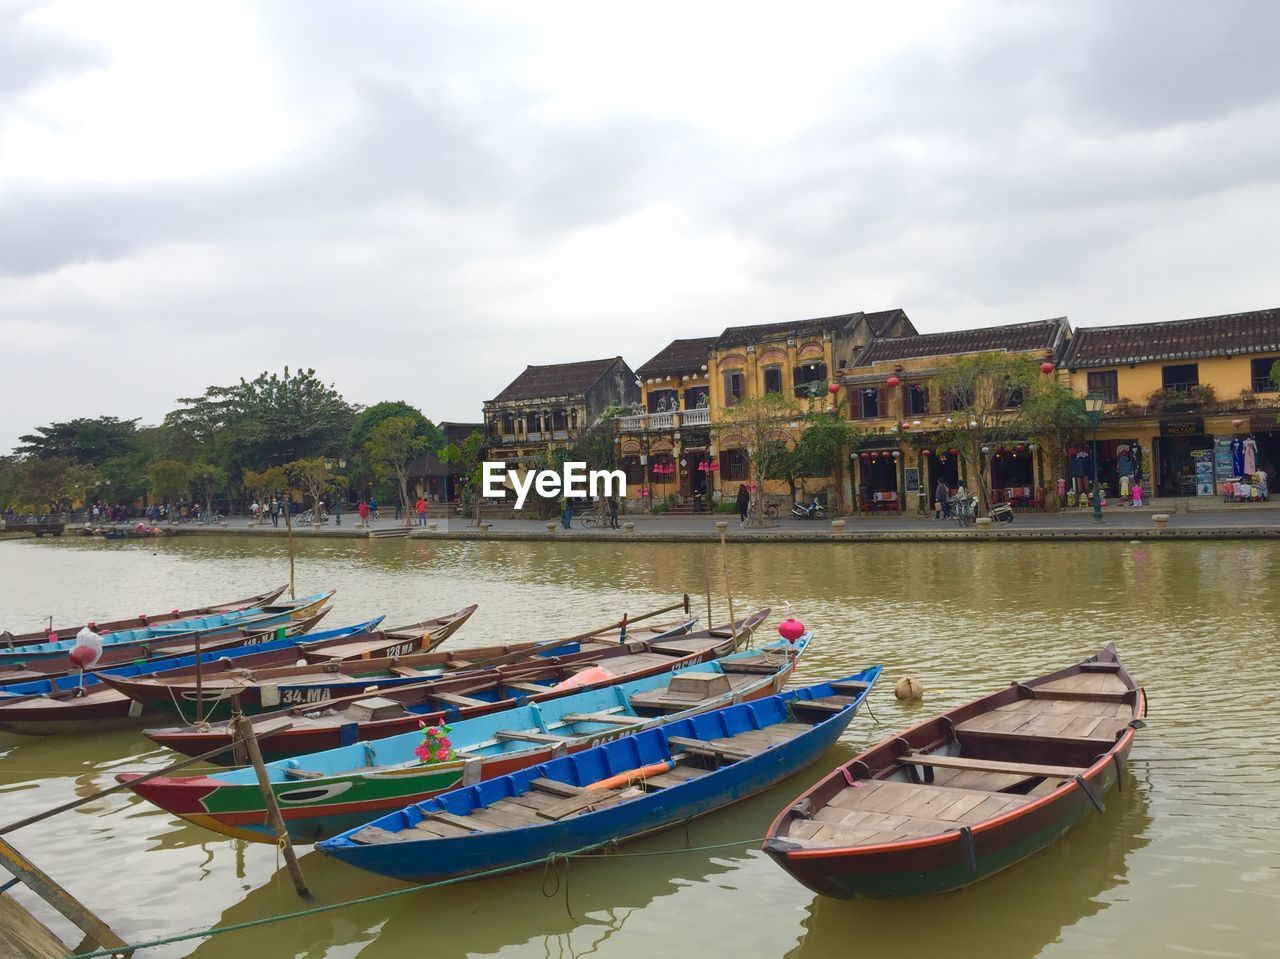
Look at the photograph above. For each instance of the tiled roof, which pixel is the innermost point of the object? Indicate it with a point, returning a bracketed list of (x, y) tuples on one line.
[(742, 335), (679, 356), (1046, 335), (882, 320), (1227, 335), (558, 379), (457, 432)]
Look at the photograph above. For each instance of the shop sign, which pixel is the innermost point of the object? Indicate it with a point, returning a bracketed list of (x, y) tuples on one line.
[(1181, 427)]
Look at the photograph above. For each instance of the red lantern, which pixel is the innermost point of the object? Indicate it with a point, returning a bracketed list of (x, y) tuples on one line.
[(893, 381), (791, 629), (833, 388), (1046, 367), (906, 424)]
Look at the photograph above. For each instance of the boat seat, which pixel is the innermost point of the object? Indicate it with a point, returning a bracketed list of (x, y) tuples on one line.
[(852, 687), (455, 699), (522, 735), (827, 704), (408, 672), (605, 719), (555, 787), (720, 748), (463, 822), (291, 773), (527, 687), (1028, 770)]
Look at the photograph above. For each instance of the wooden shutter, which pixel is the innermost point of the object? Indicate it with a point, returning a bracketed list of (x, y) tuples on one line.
[(855, 404), (882, 401), (944, 400)]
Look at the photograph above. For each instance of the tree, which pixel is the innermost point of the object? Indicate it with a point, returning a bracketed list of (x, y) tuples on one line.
[(468, 457), (988, 395), (168, 480), (392, 447), (310, 477), (263, 485), (206, 478), (760, 422), (822, 449), (1055, 416), (84, 441)]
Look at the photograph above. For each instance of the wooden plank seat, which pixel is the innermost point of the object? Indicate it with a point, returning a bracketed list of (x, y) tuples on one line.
[(726, 749), (674, 777), (470, 823), (852, 688), (533, 688), (757, 667), (555, 787), (457, 699), (1027, 770), (371, 835), (827, 704), (1052, 726), (588, 799), (291, 773), (606, 719), (524, 735)]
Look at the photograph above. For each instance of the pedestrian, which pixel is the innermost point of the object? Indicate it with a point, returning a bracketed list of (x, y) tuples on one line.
[(566, 512), (373, 509), (744, 500), (337, 510), (613, 511), (363, 510), (275, 511), (399, 513), (942, 501), (1136, 492), (421, 508)]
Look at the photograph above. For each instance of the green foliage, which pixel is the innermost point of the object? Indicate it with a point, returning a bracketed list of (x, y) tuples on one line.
[(393, 445), (311, 477), (598, 445), (361, 471), (206, 479), (761, 422), (468, 457), (82, 441), (168, 480), (264, 484)]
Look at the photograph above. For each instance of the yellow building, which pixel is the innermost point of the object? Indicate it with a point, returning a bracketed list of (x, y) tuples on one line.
[(665, 443), (890, 395), (1193, 399), (796, 359)]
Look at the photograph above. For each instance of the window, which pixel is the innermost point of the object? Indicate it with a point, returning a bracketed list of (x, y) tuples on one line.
[(635, 472), (955, 401), (867, 403), (1181, 377), (772, 379), (696, 396), (1104, 382), (1011, 396), (532, 422), (662, 401), (560, 420), (1260, 374), (734, 466), (810, 378), (732, 387), (916, 399)]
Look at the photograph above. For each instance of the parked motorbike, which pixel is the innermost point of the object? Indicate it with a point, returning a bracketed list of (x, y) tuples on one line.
[(1001, 513), (814, 510)]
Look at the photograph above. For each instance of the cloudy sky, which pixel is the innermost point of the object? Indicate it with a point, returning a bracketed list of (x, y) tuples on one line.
[(419, 199)]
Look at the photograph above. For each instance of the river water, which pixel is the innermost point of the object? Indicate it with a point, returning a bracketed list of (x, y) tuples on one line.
[(1186, 860)]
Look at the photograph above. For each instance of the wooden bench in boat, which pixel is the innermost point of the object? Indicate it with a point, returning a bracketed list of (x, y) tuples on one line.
[(527, 687), (720, 748), (827, 704), (1026, 770), (456, 699), (555, 787), (527, 736), (607, 719), (1051, 726)]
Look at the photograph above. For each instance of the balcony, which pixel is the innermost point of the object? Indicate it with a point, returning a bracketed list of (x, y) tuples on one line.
[(698, 417), (662, 421), (632, 424)]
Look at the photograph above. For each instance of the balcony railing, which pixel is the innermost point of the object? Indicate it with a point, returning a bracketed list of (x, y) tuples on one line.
[(632, 424), (698, 417), (661, 421)]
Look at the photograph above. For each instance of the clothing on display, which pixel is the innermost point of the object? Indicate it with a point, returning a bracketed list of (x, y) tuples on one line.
[(1237, 456), (1250, 455)]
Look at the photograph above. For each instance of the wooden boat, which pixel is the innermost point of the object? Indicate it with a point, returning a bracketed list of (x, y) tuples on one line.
[(325, 793), (618, 790), (320, 679), (279, 612), (68, 707), (251, 632), (968, 793), (10, 641), (340, 722)]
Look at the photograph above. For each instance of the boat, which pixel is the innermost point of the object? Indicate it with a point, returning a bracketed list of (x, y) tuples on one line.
[(307, 729), (615, 791), (11, 640), (325, 793), (967, 793), (279, 612), (319, 680), (63, 705)]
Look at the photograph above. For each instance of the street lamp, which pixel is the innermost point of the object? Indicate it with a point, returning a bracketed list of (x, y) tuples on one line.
[(1093, 404)]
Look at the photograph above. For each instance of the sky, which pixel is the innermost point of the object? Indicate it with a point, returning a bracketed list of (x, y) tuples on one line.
[(419, 199)]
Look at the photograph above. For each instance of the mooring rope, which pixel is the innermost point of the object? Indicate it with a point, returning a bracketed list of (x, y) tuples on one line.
[(548, 862)]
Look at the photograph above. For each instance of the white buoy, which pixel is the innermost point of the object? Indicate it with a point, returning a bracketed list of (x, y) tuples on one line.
[(908, 689)]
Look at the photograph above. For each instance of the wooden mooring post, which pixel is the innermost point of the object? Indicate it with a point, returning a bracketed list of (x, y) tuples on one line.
[(245, 733)]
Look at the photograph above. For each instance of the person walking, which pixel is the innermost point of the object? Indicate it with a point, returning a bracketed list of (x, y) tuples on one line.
[(337, 509), (942, 501), (566, 512), (421, 508), (613, 512), (373, 509), (744, 500), (363, 510), (399, 512)]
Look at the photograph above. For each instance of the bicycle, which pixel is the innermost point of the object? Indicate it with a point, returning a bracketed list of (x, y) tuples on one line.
[(962, 511)]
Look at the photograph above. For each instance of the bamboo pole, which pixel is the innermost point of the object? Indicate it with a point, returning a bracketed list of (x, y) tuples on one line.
[(721, 525), (288, 527), (199, 683), (244, 729), (706, 575)]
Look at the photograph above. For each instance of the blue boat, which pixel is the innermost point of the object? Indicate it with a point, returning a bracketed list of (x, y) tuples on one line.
[(257, 618), (153, 667), (619, 790), (324, 793)]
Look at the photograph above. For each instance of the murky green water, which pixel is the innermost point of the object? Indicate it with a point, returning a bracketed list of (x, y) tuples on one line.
[(1185, 860)]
